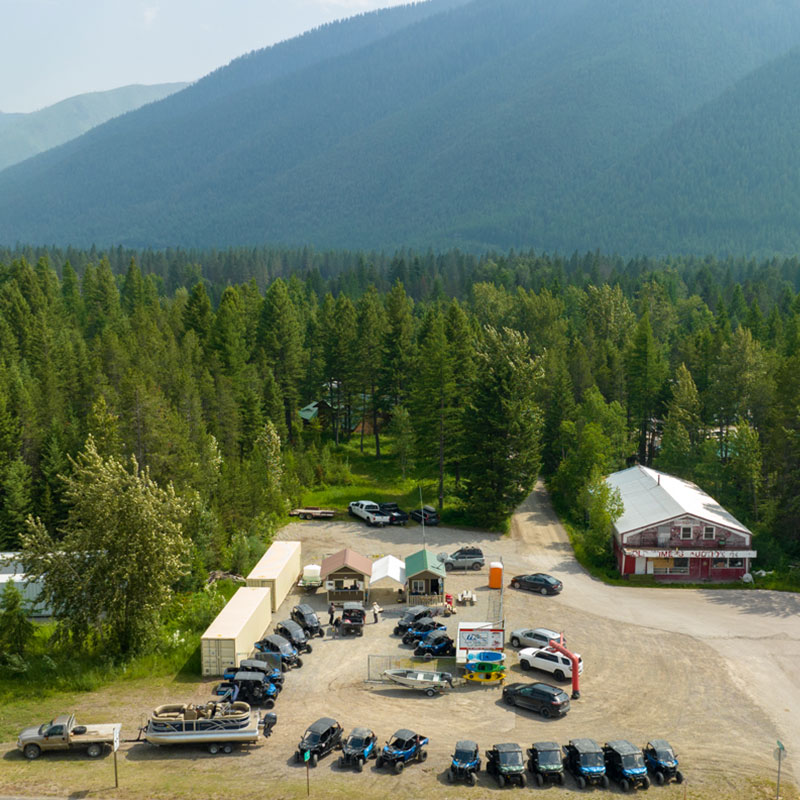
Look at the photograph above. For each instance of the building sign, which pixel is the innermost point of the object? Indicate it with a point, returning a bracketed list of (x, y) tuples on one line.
[(690, 553), (480, 638)]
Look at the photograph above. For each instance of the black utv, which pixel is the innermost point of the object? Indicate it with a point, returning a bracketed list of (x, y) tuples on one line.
[(506, 763), (466, 762), (545, 763), (586, 762), (307, 619), (410, 616), (358, 748), (625, 764), (282, 648), (353, 616), (320, 738), (290, 630), (267, 664)]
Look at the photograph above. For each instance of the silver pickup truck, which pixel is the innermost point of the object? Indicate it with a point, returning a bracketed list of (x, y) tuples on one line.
[(63, 733)]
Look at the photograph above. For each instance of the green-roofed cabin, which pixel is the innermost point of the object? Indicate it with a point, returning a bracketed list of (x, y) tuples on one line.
[(425, 576)]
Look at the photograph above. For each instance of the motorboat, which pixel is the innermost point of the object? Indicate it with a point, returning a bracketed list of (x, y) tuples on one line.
[(428, 681), (211, 724)]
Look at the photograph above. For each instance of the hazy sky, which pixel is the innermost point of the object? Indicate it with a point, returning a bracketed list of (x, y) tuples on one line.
[(54, 49)]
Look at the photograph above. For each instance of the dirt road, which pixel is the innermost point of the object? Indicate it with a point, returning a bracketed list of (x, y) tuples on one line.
[(709, 670)]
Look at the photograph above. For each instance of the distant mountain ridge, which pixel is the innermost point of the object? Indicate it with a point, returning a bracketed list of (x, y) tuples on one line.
[(482, 124), (26, 135)]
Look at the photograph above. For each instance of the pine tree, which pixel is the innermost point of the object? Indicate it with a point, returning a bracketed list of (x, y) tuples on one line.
[(15, 503), (16, 629)]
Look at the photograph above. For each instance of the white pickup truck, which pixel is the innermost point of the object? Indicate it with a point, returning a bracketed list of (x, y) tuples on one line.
[(370, 512)]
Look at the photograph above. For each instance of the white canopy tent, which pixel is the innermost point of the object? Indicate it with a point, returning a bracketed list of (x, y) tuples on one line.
[(388, 570)]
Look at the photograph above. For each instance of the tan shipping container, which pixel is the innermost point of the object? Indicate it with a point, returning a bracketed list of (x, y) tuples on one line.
[(232, 635), (278, 569)]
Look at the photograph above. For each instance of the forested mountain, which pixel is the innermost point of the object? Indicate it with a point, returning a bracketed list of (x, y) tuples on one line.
[(25, 135), (490, 123)]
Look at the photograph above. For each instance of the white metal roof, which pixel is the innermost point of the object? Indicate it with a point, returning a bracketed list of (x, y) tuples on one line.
[(651, 497), (238, 611), (388, 567)]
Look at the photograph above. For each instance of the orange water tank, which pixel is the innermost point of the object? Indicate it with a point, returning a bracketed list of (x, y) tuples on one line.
[(495, 575)]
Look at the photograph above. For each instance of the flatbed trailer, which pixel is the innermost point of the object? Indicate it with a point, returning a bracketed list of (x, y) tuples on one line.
[(312, 512)]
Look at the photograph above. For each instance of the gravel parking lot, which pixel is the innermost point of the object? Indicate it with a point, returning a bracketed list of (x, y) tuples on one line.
[(712, 671)]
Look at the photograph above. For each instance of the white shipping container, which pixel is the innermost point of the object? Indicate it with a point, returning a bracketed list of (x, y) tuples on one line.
[(278, 569), (29, 591), (9, 563), (231, 637)]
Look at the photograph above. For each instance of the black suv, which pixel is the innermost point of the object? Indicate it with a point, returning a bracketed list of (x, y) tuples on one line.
[(427, 513), (506, 763), (545, 763), (290, 630), (320, 738), (586, 761), (307, 619), (625, 764), (396, 514), (282, 648), (549, 701), (353, 616), (411, 615)]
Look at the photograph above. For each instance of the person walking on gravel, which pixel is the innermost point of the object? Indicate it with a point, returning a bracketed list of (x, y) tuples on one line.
[(331, 613)]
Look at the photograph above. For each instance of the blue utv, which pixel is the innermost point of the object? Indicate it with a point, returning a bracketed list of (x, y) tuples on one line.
[(249, 687), (403, 748), (584, 758), (359, 747), (465, 763), (282, 648), (662, 761), (273, 674), (436, 643), (625, 764), (420, 629)]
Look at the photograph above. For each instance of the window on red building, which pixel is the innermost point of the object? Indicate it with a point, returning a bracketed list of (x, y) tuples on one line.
[(686, 533)]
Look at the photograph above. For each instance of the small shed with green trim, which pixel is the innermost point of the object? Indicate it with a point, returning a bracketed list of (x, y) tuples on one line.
[(425, 576)]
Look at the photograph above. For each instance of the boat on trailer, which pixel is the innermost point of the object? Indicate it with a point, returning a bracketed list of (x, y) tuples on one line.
[(217, 725), (428, 681)]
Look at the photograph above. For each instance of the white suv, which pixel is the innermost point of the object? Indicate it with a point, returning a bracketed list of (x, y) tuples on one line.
[(548, 660)]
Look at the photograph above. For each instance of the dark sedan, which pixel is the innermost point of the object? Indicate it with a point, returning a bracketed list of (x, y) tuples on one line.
[(547, 700), (537, 582)]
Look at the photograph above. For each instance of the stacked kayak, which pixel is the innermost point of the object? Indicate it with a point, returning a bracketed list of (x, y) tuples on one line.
[(485, 666)]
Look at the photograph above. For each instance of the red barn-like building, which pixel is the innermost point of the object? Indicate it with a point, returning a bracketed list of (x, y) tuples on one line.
[(671, 529)]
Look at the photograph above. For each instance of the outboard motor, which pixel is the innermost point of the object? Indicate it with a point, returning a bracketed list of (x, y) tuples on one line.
[(270, 720)]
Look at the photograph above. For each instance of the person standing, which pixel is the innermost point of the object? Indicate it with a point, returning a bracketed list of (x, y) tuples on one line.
[(376, 609), (331, 613)]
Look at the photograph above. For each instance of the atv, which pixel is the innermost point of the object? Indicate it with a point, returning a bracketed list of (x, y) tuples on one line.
[(410, 616), (307, 618), (249, 687), (319, 740), (273, 674), (295, 634), (465, 763), (545, 763), (586, 761), (360, 745), (625, 764), (403, 748)]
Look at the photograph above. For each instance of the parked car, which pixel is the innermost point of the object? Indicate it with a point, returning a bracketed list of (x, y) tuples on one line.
[(396, 514), (353, 616), (307, 618), (465, 558), (358, 748), (661, 760), (465, 763), (290, 630), (249, 687), (419, 630), (506, 763), (545, 763), (586, 762), (436, 643), (428, 514), (405, 746), (625, 764), (534, 637), (282, 648), (411, 615), (320, 738), (537, 582), (548, 660), (274, 674), (549, 701)]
